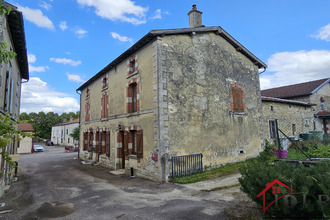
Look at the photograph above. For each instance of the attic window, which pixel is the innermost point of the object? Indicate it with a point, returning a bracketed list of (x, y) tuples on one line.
[(104, 82), (87, 92), (132, 65)]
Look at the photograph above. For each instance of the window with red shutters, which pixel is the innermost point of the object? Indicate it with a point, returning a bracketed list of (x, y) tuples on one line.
[(237, 94)]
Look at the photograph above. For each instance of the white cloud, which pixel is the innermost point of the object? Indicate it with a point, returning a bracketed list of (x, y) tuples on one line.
[(121, 38), (37, 96), (296, 67), (123, 10), (37, 68), (65, 61), (80, 32), (45, 5), (32, 58), (37, 17), (158, 15), (75, 78), (323, 33), (63, 25)]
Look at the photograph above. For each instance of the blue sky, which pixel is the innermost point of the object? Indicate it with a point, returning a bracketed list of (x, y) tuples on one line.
[(69, 41)]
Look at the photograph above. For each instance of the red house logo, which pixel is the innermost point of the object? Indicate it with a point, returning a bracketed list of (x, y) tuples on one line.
[(276, 190)]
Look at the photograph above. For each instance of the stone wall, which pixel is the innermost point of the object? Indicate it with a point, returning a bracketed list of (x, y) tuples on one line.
[(293, 119), (199, 72)]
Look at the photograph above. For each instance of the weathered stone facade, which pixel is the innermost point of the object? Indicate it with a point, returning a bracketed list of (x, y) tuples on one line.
[(175, 92)]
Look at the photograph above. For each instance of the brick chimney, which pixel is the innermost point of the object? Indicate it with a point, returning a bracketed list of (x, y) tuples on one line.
[(195, 17)]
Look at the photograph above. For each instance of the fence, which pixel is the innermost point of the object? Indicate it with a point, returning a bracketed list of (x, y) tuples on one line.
[(187, 165)]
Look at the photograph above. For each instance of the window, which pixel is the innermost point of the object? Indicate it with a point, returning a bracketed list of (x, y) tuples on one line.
[(67, 131), (136, 139), (68, 140), (87, 93), (272, 129), (293, 129), (104, 82), (237, 95), (85, 141), (104, 105), (132, 65), (87, 111), (132, 98), (272, 108)]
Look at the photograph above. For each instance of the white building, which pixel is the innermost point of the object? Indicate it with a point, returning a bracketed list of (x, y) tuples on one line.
[(61, 133)]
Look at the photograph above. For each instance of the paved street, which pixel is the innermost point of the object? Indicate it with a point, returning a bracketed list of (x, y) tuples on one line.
[(55, 185)]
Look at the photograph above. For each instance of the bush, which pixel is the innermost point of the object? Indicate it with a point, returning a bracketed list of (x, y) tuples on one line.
[(310, 181)]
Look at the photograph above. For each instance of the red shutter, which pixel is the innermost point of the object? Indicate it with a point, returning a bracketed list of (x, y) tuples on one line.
[(102, 106), (100, 143), (125, 143), (106, 110), (107, 143), (139, 139), (238, 99)]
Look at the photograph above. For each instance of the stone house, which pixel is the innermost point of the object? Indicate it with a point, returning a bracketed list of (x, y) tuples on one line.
[(25, 145), (61, 133), (11, 76), (174, 92), (299, 108)]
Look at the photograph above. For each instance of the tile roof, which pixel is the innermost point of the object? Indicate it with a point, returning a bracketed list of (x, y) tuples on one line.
[(296, 90), (68, 122), (25, 127), (322, 114), (292, 102)]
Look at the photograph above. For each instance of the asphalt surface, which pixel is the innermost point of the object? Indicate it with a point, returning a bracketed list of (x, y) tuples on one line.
[(55, 185)]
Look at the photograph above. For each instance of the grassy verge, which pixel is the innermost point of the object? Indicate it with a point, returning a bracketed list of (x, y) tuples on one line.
[(213, 173)]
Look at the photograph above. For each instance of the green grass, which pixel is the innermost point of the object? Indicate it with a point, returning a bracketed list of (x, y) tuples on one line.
[(213, 173)]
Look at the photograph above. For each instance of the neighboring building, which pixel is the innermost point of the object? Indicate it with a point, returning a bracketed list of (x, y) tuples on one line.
[(25, 145), (11, 76), (61, 133), (174, 92), (294, 117), (313, 114)]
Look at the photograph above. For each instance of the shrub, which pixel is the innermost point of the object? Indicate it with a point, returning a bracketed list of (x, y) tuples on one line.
[(310, 181)]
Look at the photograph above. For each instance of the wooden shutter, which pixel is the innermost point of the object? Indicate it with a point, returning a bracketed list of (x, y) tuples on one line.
[(100, 142), (139, 139), (238, 99), (102, 106), (125, 143), (106, 103), (107, 143), (85, 140)]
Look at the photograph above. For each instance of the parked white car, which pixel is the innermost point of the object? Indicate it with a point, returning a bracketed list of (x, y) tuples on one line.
[(38, 148)]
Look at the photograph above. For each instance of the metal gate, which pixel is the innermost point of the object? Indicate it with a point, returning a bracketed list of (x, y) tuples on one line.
[(187, 165)]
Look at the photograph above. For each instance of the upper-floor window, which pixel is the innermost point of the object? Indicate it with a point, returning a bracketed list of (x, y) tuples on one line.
[(104, 82), (132, 65), (237, 95), (87, 111), (87, 92), (104, 105), (132, 105)]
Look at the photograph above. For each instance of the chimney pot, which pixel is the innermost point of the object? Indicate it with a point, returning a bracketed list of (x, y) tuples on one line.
[(194, 7)]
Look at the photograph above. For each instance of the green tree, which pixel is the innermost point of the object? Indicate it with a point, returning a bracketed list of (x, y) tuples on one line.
[(5, 54), (75, 134)]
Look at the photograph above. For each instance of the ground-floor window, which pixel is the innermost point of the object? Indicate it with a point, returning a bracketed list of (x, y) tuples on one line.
[(272, 129)]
